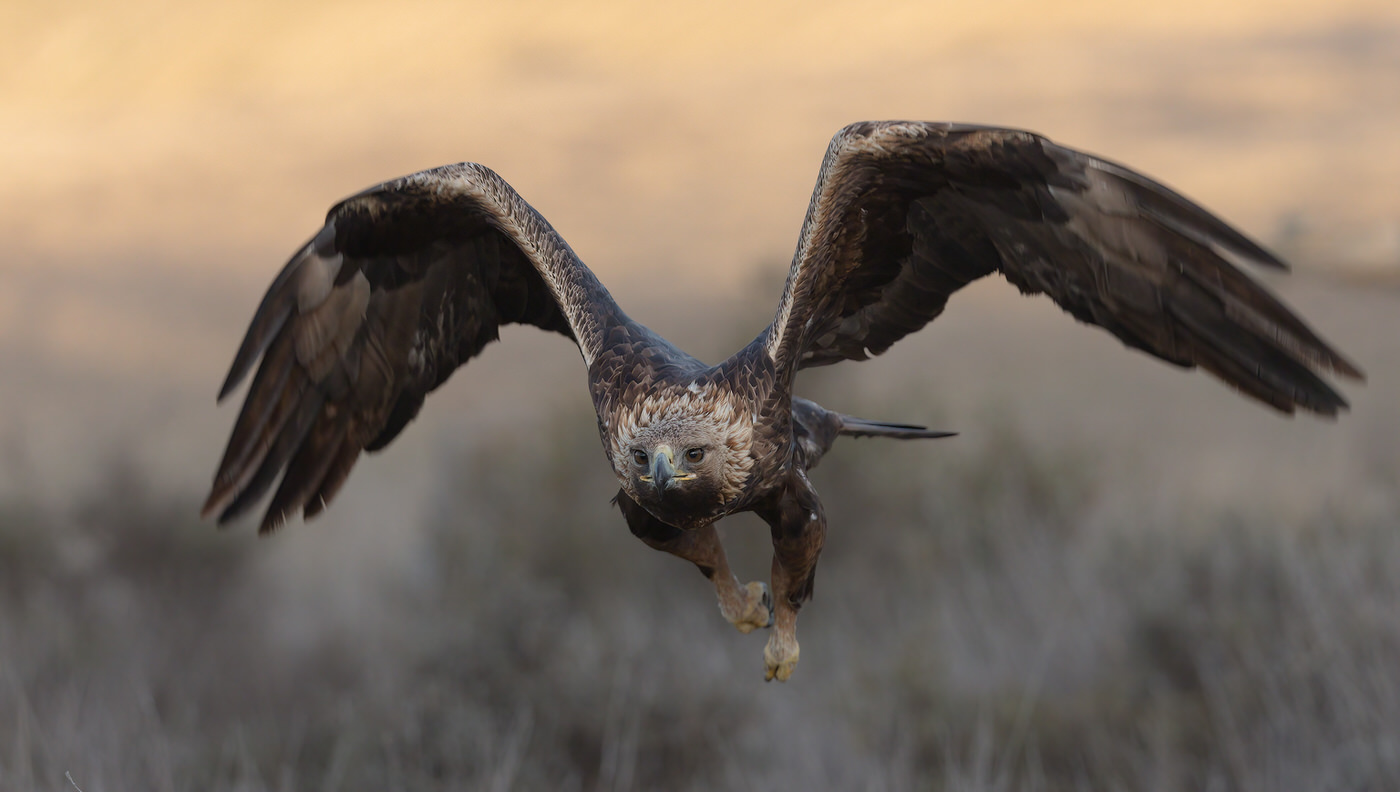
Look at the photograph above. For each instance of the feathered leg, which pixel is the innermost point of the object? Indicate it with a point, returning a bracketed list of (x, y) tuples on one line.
[(799, 529), (747, 607)]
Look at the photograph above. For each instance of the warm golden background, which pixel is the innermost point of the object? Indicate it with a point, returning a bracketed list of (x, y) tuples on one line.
[(159, 160)]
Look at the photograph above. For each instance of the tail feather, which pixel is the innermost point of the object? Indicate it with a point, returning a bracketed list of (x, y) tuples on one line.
[(852, 426)]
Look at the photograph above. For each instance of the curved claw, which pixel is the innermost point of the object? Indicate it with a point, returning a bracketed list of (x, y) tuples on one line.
[(757, 610), (780, 657)]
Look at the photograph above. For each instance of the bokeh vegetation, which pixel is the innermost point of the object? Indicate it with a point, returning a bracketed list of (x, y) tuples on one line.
[(982, 622)]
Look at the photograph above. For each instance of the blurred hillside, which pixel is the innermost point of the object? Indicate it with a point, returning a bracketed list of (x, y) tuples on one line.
[(162, 159), (1148, 542)]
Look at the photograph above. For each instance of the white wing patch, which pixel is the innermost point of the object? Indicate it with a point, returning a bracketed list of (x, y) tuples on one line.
[(323, 335), (315, 278)]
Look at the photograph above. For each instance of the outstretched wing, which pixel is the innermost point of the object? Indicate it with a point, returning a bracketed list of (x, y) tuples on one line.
[(906, 213), (406, 281)]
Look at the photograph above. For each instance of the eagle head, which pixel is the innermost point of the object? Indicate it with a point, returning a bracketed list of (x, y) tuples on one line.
[(684, 454)]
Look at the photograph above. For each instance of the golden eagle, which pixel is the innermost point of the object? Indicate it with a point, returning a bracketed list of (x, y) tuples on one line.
[(410, 279)]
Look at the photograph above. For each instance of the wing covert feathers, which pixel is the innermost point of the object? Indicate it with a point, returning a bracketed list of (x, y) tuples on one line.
[(412, 278), (406, 282), (906, 213)]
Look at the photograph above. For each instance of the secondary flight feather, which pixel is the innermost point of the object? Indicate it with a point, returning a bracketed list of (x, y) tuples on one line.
[(410, 279)]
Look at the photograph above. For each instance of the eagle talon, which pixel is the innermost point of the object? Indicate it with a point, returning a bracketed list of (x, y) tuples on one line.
[(780, 657), (757, 609)]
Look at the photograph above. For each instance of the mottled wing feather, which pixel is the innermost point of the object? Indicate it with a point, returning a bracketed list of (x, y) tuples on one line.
[(906, 213), (406, 282)]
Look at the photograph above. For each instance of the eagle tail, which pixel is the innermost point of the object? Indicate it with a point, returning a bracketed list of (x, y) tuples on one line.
[(852, 426)]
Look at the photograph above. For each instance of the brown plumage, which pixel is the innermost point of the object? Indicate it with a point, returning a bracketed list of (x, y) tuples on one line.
[(412, 278)]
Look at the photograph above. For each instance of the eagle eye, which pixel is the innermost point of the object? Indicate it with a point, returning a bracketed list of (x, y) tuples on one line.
[(639, 456), (695, 454)]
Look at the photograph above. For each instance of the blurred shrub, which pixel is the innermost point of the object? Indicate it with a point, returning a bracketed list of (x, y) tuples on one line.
[(984, 620), (116, 615)]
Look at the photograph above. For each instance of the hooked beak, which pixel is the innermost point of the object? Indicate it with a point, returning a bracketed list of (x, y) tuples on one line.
[(663, 468)]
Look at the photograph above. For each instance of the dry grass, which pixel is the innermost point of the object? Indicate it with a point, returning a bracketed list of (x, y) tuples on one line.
[(983, 622)]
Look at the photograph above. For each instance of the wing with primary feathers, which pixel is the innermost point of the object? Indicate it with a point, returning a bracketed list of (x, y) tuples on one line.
[(406, 281), (906, 213)]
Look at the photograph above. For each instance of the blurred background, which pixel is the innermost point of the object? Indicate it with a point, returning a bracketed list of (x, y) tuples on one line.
[(1117, 576)]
